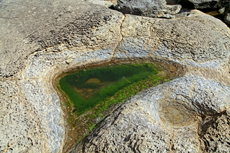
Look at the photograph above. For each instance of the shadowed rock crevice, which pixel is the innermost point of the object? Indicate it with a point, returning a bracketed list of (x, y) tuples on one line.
[(215, 133), (205, 5)]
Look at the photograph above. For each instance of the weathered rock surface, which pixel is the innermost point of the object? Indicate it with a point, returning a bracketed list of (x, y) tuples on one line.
[(36, 26), (36, 38), (216, 135), (41, 39), (174, 39), (150, 8), (106, 3), (164, 119), (181, 115)]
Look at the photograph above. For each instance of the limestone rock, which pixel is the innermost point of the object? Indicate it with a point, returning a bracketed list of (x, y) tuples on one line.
[(150, 8), (33, 26), (40, 39), (174, 40), (178, 115), (216, 135), (163, 119), (106, 3)]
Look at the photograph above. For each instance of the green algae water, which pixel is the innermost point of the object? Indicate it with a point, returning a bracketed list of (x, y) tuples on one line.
[(86, 88), (88, 95)]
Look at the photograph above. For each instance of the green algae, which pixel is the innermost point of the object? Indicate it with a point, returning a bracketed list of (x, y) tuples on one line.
[(84, 115), (89, 87)]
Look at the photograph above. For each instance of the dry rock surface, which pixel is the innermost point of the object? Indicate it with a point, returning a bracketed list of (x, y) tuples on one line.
[(150, 8), (41, 39)]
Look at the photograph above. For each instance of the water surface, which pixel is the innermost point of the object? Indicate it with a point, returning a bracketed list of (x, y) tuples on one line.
[(88, 87)]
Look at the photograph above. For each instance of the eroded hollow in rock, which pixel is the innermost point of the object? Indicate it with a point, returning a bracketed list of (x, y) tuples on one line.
[(215, 132), (175, 113), (87, 87), (90, 93)]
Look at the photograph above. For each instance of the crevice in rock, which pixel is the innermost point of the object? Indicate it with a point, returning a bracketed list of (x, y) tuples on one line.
[(211, 131), (208, 121), (118, 44)]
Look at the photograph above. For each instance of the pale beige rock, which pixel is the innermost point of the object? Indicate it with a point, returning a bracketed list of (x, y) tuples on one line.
[(192, 40), (181, 115), (173, 116), (41, 39), (106, 3), (34, 26)]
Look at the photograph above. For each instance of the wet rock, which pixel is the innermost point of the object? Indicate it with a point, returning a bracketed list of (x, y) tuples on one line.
[(169, 117), (153, 8), (164, 118)]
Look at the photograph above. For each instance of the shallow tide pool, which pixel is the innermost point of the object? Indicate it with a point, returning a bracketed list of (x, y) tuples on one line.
[(89, 94), (88, 87)]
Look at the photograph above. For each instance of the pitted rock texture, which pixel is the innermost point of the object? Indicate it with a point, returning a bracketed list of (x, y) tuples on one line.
[(150, 8), (216, 133), (41, 39), (143, 123), (173, 39), (34, 26), (20, 126), (36, 45)]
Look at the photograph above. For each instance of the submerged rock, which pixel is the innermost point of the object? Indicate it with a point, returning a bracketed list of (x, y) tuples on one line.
[(166, 118)]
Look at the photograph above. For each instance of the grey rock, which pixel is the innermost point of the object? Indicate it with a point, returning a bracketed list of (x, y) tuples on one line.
[(217, 134), (34, 26), (32, 54), (171, 2), (174, 40), (40, 40), (150, 8), (204, 4), (163, 119), (106, 3)]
